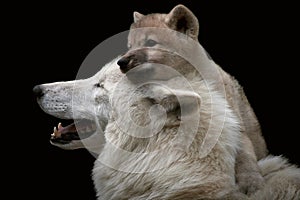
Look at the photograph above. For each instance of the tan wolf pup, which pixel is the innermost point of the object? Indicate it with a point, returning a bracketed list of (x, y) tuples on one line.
[(182, 20)]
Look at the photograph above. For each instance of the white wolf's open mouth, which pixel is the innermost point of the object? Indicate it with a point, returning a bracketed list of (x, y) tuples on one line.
[(79, 129)]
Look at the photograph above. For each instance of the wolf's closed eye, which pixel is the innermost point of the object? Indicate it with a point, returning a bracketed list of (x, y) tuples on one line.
[(150, 43)]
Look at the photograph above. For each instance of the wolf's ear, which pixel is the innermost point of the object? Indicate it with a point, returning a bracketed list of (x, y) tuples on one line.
[(186, 102), (137, 16), (181, 19)]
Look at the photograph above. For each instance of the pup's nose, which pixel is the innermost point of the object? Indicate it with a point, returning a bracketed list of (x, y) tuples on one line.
[(38, 91), (123, 63)]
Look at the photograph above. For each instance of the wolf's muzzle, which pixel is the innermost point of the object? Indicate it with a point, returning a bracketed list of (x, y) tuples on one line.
[(38, 91)]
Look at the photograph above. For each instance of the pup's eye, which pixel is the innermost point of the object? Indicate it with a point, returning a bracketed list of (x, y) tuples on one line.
[(150, 43), (99, 85)]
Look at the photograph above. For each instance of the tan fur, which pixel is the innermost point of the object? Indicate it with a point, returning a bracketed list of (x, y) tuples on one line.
[(234, 92), (282, 179), (247, 173)]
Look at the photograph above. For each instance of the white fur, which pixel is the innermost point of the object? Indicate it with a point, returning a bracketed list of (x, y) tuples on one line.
[(144, 171)]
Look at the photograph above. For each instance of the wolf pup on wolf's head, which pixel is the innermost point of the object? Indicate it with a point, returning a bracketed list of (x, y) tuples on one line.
[(143, 35), (159, 39)]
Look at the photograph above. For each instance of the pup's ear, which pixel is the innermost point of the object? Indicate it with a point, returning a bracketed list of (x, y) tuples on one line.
[(181, 19), (137, 16), (186, 102)]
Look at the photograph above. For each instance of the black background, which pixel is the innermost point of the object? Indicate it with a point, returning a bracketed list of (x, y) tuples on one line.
[(256, 43)]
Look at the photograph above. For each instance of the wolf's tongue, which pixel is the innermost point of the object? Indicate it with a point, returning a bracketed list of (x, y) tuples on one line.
[(78, 126), (68, 129), (57, 132)]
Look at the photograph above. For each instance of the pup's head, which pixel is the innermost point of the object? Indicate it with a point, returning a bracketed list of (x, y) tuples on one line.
[(84, 101), (156, 38), (179, 19), (175, 31)]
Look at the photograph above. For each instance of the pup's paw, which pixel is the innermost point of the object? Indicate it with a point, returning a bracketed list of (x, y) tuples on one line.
[(250, 183)]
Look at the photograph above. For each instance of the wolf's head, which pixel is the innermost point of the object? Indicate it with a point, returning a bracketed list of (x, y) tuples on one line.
[(84, 101)]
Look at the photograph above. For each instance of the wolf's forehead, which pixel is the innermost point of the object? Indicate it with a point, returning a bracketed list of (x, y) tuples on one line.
[(109, 70), (111, 75)]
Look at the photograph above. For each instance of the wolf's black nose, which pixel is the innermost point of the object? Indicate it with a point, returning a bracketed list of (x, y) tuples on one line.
[(38, 91), (123, 63)]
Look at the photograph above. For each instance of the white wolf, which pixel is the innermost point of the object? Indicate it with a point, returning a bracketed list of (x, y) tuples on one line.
[(282, 180)]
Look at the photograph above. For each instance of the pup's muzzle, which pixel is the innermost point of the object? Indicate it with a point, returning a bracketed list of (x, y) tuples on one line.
[(123, 63), (132, 59)]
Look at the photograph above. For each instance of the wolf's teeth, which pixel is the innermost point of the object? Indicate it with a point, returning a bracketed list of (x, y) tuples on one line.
[(55, 132), (59, 126)]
